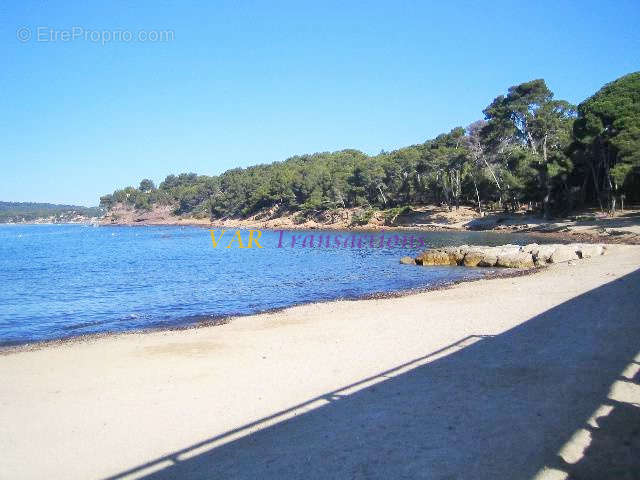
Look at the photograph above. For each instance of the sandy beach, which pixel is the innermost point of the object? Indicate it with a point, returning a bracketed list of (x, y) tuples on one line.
[(527, 377)]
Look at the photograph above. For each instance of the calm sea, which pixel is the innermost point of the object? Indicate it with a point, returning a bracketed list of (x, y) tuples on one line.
[(67, 280)]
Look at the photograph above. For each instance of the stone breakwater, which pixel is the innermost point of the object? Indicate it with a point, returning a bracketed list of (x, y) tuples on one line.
[(507, 256)]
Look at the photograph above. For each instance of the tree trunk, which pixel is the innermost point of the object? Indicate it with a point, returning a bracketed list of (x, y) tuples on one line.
[(384, 200), (595, 185), (459, 189), (475, 185), (567, 189), (583, 190), (546, 200), (495, 179), (446, 190)]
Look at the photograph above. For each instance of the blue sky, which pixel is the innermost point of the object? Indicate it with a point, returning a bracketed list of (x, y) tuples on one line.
[(246, 82)]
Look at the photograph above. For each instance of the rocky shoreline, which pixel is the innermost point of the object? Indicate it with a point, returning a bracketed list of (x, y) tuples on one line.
[(505, 256)]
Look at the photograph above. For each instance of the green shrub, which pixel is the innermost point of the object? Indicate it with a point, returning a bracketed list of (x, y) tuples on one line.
[(362, 218), (392, 214)]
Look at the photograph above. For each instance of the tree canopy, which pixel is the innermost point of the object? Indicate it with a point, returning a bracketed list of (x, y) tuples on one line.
[(607, 139), (529, 149)]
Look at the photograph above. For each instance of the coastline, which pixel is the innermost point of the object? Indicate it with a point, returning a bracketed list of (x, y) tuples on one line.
[(215, 321), (569, 236), (193, 393), (584, 227)]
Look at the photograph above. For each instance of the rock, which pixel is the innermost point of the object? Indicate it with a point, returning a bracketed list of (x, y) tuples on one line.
[(488, 260), (434, 257), (473, 258), (507, 256), (456, 253), (485, 256), (539, 263), (542, 253), (515, 260), (407, 261), (506, 250), (455, 258), (563, 253), (588, 251), (510, 246)]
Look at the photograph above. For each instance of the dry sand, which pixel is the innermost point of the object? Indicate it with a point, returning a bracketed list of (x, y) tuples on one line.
[(503, 378)]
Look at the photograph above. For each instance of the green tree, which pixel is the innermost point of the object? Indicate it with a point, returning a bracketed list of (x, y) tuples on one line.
[(146, 185), (607, 134), (528, 117)]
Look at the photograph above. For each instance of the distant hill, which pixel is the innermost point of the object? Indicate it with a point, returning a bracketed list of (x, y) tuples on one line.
[(22, 212)]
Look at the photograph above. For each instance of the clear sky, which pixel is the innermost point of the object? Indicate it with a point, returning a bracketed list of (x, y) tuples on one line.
[(246, 82)]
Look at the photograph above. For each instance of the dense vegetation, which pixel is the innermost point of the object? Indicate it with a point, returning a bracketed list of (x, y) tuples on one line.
[(15, 212), (529, 149)]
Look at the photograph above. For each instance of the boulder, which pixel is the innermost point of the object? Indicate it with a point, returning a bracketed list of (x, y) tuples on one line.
[(481, 257), (453, 259), (504, 250), (563, 253), (508, 256), (542, 253), (407, 261), (489, 259), (539, 262), (473, 258), (434, 257), (588, 251), (456, 254), (515, 260)]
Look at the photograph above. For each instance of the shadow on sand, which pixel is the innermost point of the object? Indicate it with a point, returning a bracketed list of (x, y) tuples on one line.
[(501, 407)]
